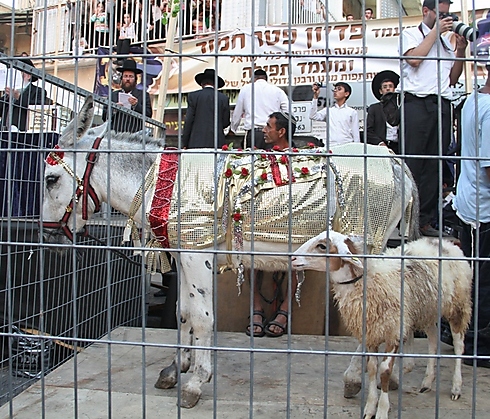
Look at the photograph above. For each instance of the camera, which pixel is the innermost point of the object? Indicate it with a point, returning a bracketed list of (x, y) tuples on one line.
[(318, 84), (471, 34)]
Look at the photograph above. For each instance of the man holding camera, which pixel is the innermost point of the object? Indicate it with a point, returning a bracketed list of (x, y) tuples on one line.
[(427, 79)]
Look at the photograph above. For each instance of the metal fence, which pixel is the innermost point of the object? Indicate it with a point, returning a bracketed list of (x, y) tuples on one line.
[(77, 325)]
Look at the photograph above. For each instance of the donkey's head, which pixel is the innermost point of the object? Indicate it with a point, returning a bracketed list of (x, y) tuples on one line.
[(68, 200)]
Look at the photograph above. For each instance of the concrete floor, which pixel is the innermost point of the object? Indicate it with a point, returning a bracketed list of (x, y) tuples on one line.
[(81, 388)]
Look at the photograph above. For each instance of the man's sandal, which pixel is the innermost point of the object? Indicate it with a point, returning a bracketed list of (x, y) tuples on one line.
[(261, 325), (283, 327)]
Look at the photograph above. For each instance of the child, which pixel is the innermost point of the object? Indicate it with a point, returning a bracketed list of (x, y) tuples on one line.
[(101, 28), (127, 34)]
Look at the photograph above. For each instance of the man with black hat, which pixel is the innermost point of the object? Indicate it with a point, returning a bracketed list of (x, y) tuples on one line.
[(131, 97), (14, 104), (428, 72), (383, 118), (204, 113), (266, 99)]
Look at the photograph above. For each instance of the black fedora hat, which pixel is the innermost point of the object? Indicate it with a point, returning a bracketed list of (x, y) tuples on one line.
[(29, 63), (209, 74), (129, 65), (380, 78)]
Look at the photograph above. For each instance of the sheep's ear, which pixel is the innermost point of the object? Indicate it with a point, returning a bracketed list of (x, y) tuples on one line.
[(350, 255)]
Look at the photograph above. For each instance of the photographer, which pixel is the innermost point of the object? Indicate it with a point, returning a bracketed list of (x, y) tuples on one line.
[(425, 81)]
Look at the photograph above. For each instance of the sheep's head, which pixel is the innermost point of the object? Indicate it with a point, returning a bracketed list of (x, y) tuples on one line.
[(337, 248)]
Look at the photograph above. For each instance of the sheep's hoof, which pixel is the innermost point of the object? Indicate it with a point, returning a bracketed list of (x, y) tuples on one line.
[(455, 396), (351, 389), (424, 389), (168, 377)]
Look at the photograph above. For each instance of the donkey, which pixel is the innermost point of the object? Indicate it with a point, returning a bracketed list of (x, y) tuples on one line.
[(89, 167)]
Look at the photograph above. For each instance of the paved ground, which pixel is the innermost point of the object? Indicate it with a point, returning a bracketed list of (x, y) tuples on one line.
[(311, 393)]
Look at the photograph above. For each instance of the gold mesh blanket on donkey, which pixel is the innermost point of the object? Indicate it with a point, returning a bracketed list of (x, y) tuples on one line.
[(213, 194)]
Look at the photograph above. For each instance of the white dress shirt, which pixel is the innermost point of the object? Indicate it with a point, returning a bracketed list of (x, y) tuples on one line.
[(343, 122), (422, 81), (268, 99)]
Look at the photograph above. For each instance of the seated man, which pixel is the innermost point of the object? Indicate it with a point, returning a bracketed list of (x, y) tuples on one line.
[(14, 104), (276, 133)]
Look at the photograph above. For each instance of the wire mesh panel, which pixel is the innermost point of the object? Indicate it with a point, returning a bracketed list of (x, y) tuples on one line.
[(201, 215)]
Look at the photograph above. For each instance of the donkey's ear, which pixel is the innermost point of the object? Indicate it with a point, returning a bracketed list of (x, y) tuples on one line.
[(79, 125)]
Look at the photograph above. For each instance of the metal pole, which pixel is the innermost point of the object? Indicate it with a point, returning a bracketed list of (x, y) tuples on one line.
[(169, 46)]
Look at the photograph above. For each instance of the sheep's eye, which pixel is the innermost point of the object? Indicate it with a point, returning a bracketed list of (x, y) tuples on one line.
[(321, 246), (51, 180)]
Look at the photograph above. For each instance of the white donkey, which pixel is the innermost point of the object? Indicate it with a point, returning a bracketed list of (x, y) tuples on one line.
[(207, 201)]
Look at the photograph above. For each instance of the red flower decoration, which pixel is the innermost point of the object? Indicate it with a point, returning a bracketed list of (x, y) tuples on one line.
[(305, 171), (237, 217), (225, 147), (228, 172), (263, 176), (295, 150), (263, 156), (244, 172), (276, 148), (311, 145), (284, 159), (51, 160)]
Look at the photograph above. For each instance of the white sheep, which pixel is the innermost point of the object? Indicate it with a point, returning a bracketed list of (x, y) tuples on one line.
[(419, 267)]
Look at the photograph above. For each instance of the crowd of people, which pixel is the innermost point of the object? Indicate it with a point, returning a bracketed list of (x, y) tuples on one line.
[(131, 23)]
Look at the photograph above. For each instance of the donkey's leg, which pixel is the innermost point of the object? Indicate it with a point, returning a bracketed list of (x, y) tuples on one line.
[(432, 337), (169, 375), (352, 375), (458, 343), (199, 278), (386, 369)]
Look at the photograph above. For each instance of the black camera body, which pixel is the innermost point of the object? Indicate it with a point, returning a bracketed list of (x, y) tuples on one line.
[(454, 17)]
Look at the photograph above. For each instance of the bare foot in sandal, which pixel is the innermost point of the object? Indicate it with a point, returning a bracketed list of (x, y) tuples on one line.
[(259, 322), (278, 326)]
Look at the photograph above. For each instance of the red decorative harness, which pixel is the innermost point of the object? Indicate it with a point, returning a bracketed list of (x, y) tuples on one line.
[(84, 189)]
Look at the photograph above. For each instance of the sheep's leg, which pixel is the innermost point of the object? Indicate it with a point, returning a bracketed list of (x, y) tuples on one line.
[(407, 362), (432, 337), (372, 399), (169, 376), (352, 375), (386, 369), (458, 343)]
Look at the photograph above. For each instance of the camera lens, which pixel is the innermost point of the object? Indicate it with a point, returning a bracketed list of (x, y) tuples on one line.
[(464, 30)]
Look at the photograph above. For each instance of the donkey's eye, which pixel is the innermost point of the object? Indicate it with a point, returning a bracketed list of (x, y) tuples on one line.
[(51, 180), (321, 246)]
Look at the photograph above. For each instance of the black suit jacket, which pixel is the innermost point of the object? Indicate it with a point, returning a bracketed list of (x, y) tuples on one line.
[(376, 124), (32, 95), (200, 119), (122, 122)]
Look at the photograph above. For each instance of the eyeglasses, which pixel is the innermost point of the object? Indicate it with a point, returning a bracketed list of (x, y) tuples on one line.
[(289, 117)]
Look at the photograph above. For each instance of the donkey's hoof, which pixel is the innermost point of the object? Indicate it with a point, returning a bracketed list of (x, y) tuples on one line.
[(351, 389), (190, 398), (425, 389), (167, 378)]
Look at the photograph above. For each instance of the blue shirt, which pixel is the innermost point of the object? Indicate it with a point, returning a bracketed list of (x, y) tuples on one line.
[(472, 201)]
